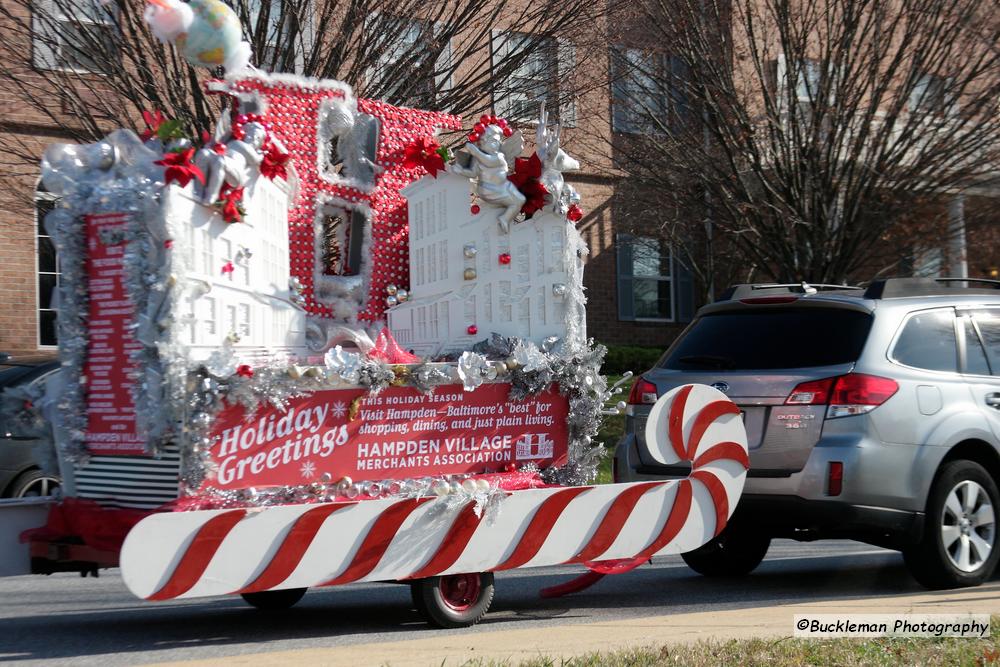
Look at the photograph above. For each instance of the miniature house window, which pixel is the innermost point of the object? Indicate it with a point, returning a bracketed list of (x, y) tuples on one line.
[(74, 35), (350, 147), (533, 69), (343, 241), (48, 270)]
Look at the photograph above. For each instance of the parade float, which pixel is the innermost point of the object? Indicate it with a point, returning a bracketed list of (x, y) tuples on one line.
[(317, 347)]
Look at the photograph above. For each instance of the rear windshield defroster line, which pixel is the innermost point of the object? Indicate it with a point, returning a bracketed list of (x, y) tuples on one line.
[(771, 338)]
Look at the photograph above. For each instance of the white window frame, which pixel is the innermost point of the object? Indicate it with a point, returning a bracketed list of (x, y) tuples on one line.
[(40, 232), (44, 57), (562, 54), (625, 242)]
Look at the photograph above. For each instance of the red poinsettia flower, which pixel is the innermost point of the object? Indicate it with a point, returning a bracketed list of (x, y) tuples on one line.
[(426, 153), (527, 171), (231, 202), (275, 163), (153, 122), (180, 168)]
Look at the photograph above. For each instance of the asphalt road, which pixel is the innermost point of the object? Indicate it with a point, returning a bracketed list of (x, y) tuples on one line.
[(89, 621)]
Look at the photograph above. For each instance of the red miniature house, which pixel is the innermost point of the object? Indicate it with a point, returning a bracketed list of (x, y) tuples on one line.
[(347, 192)]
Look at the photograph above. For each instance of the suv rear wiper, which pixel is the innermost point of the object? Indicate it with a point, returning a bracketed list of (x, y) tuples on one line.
[(708, 360)]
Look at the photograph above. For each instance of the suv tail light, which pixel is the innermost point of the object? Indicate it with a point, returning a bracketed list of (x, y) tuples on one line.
[(846, 395), (643, 393)]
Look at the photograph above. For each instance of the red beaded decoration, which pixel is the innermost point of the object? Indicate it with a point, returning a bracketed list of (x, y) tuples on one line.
[(292, 110), (504, 258)]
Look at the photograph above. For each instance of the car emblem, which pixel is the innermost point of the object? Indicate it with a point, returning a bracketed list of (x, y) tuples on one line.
[(721, 386)]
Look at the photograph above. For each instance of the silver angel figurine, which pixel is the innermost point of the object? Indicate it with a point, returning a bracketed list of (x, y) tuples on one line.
[(488, 161), (237, 165), (555, 161)]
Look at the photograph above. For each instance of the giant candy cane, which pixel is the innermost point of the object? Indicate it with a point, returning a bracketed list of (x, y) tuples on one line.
[(215, 552)]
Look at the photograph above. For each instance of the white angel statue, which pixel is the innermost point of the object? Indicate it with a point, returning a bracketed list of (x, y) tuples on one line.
[(237, 165), (489, 161)]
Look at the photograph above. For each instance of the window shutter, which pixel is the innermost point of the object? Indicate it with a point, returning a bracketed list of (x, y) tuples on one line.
[(626, 302), (565, 65), (501, 46), (45, 35), (619, 90), (678, 97), (442, 78), (683, 291)]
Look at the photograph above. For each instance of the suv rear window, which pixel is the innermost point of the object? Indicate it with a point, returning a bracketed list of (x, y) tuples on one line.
[(771, 338)]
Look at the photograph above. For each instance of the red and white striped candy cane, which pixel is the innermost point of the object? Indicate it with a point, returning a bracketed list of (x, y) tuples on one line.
[(216, 552)]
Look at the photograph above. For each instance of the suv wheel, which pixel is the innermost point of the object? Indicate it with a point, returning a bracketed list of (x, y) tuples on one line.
[(734, 553), (959, 547)]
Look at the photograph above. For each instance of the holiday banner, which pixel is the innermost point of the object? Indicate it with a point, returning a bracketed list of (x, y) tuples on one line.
[(109, 368), (398, 433)]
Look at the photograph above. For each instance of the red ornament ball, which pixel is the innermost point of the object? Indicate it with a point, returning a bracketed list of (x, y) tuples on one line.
[(574, 214), (504, 258), (507, 131), (501, 122), (484, 119), (475, 209), (244, 371), (473, 137), (479, 127), (473, 329)]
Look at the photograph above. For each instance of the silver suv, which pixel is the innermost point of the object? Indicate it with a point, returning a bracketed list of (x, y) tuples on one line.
[(872, 414)]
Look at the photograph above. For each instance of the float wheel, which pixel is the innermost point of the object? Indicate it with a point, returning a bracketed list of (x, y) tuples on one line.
[(274, 600), (454, 600)]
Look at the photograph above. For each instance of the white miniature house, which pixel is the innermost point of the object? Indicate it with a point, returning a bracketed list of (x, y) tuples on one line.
[(236, 274), (469, 279)]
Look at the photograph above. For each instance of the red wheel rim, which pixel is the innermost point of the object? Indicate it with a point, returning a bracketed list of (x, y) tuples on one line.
[(460, 591)]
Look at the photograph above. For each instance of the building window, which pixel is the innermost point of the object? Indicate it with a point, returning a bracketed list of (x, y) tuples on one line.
[(414, 63), (645, 279), (932, 95), (647, 91), (529, 70), (286, 34), (78, 36), (48, 271)]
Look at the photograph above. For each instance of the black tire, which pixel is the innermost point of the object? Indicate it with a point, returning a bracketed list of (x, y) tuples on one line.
[(733, 553), (274, 600), (936, 564), (34, 483), (453, 601)]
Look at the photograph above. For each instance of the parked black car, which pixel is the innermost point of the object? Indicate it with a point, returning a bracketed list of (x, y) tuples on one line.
[(20, 475)]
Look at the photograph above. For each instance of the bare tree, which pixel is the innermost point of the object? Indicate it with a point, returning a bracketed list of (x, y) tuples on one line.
[(809, 140), (86, 65)]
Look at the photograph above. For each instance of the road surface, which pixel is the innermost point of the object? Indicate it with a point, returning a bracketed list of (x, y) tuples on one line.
[(89, 621)]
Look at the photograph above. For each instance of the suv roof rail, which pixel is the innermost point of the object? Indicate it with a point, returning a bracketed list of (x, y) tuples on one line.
[(894, 288), (751, 290)]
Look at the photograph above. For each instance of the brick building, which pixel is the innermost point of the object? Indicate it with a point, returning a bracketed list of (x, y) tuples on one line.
[(639, 292)]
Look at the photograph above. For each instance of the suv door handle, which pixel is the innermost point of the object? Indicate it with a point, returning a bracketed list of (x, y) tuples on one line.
[(993, 400)]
